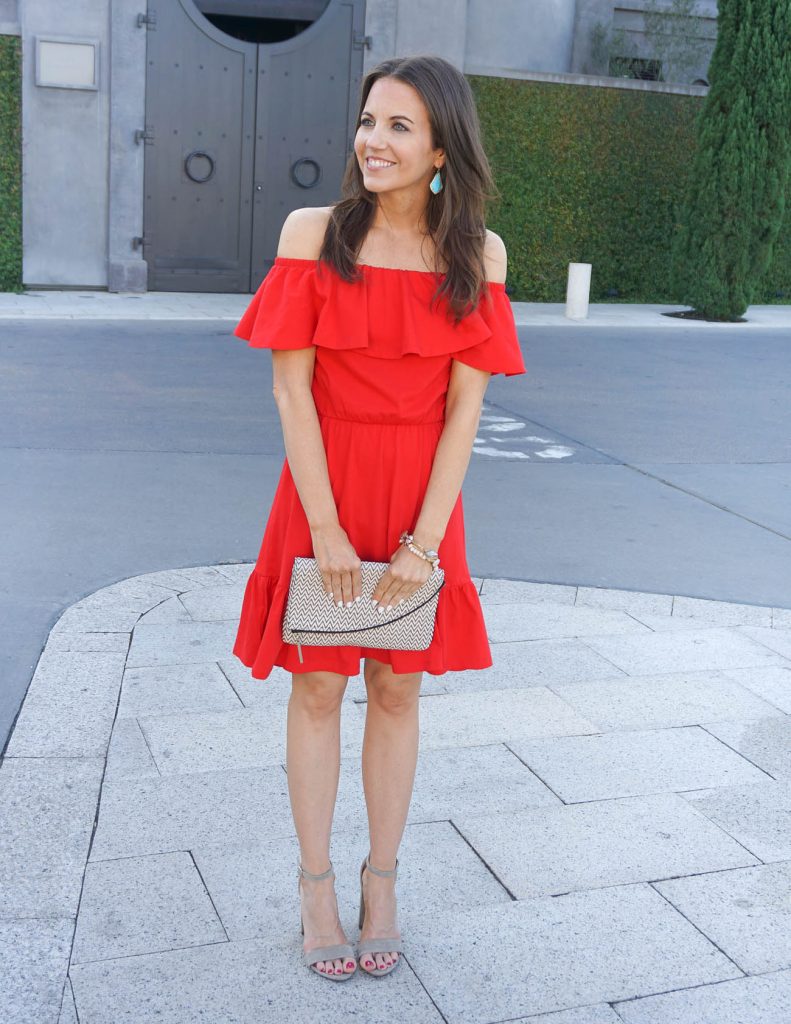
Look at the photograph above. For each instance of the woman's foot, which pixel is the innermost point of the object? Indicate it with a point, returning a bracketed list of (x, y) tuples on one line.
[(380, 918), (319, 908)]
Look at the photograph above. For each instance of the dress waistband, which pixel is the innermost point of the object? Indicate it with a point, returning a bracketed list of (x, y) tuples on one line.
[(379, 423)]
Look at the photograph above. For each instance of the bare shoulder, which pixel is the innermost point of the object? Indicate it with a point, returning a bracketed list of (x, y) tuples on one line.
[(303, 232), (495, 258)]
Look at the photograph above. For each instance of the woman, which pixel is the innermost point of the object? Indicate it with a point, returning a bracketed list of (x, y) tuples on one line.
[(386, 314)]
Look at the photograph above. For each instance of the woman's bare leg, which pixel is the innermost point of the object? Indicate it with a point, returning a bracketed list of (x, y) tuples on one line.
[(313, 765), (389, 759)]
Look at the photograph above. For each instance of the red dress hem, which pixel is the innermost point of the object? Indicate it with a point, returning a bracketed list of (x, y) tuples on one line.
[(259, 644)]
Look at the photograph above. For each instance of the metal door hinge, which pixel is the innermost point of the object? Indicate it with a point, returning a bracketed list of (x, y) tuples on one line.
[(139, 241), (361, 41), (144, 134), (149, 20)]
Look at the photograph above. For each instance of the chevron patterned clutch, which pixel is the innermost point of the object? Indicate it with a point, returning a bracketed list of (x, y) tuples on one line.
[(310, 618)]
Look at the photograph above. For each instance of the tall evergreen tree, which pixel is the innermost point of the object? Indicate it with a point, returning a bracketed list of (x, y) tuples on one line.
[(735, 200)]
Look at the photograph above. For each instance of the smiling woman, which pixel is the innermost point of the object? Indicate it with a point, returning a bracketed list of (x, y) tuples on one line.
[(387, 315), (418, 134)]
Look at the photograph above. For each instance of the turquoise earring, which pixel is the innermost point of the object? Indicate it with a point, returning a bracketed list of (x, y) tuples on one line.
[(436, 183)]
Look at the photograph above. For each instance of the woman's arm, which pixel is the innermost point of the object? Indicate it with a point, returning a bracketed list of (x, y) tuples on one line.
[(452, 457), (292, 372), (336, 558), (463, 403), (408, 571), (307, 458)]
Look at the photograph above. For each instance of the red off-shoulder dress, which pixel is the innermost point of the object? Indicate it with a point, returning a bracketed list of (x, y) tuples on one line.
[(381, 375)]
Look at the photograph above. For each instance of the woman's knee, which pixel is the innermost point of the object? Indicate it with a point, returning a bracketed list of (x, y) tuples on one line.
[(392, 691), (319, 693)]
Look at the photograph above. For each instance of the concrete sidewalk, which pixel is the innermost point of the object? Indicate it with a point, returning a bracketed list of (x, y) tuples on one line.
[(598, 832), (103, 305)]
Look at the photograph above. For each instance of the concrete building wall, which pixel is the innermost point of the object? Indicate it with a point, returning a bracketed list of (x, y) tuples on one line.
[(524, 36), (498, 36), (126, 270), (699, 38), (588, 14), (478, 36), (404, 27), (628, 17), (8, 10), (9, 18), (64, 152)]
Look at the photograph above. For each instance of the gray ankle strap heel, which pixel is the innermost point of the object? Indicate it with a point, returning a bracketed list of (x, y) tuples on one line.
[(341, 950), (384, 945)]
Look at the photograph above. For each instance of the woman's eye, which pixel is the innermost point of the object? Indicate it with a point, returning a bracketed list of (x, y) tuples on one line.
[(398, 124)]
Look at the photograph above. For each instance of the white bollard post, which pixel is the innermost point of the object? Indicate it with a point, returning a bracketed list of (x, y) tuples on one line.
[(578, 288)]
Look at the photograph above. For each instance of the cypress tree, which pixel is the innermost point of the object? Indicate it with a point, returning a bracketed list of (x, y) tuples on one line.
[(735, 199)]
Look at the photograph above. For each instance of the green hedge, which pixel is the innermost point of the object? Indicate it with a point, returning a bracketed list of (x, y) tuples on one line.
[(10, 164), (589, 174)]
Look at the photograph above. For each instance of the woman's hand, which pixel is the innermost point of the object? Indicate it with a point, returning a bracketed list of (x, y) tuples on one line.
[(339, 565), (406, 574)]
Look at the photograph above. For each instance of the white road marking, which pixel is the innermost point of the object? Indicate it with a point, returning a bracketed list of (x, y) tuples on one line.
[(556, 451), (491, 424), (502, 428), (500, 453)]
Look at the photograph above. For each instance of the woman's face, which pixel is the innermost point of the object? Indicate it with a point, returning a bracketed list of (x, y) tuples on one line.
[(394, 127)]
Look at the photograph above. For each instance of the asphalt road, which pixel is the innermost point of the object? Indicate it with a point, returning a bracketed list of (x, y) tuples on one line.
[(647, 460)]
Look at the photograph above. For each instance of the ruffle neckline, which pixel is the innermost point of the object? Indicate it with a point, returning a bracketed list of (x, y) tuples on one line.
[(388, 313)]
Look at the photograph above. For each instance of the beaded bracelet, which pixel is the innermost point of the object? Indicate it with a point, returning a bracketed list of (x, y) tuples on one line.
[(429, 555)]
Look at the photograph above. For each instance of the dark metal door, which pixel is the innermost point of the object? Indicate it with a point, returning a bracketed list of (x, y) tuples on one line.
[(238, 133)]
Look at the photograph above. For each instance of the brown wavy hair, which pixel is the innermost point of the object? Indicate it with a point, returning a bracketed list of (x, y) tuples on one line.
[(455, 216)]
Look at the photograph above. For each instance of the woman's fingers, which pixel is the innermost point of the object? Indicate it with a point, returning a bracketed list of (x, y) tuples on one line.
[(339, 565), (345, 586), (391, 591), (381, 588)]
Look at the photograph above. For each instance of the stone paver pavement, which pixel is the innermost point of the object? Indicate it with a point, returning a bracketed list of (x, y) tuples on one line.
[(600, 830)]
